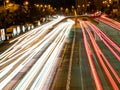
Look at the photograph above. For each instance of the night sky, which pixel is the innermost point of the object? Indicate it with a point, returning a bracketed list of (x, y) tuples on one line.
[(58, 3), (54, 3)]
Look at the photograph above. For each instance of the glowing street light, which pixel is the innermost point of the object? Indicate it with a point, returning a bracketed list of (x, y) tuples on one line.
[(78, 6), (83, 5), (5, 2), (41, 5), (26, 3)]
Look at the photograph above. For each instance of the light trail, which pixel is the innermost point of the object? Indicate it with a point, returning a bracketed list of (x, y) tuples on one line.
[(35, 46), (42, 57), (104, 58), (104, 38), (40, 83), (45, 26), (15, 46), (24, 36), (42, 43), (92, 66), (109, 22), (97, 50)]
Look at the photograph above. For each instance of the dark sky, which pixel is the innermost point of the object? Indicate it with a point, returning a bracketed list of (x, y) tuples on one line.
[(54, 3), (58, 3)]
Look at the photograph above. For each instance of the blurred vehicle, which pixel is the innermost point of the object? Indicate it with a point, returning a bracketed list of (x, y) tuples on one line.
[(96, 14)]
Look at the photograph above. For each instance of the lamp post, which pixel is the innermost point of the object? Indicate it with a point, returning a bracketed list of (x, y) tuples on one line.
[(5, 14), (26, 3), (5, 2)]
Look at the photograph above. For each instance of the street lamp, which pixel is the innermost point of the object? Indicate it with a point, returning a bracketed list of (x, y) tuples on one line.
[(41, 5), (26, 3), (5, 2)]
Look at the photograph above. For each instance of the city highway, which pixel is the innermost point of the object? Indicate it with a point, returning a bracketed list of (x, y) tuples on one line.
[(95, 61), (24, 51), (64, 55), (102, 60)]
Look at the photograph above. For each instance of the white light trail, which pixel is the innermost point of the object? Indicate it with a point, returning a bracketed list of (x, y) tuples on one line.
[(41, 61), (27, 46)]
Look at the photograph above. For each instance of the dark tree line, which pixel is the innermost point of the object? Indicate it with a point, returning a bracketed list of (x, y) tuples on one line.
[(24, 14)]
